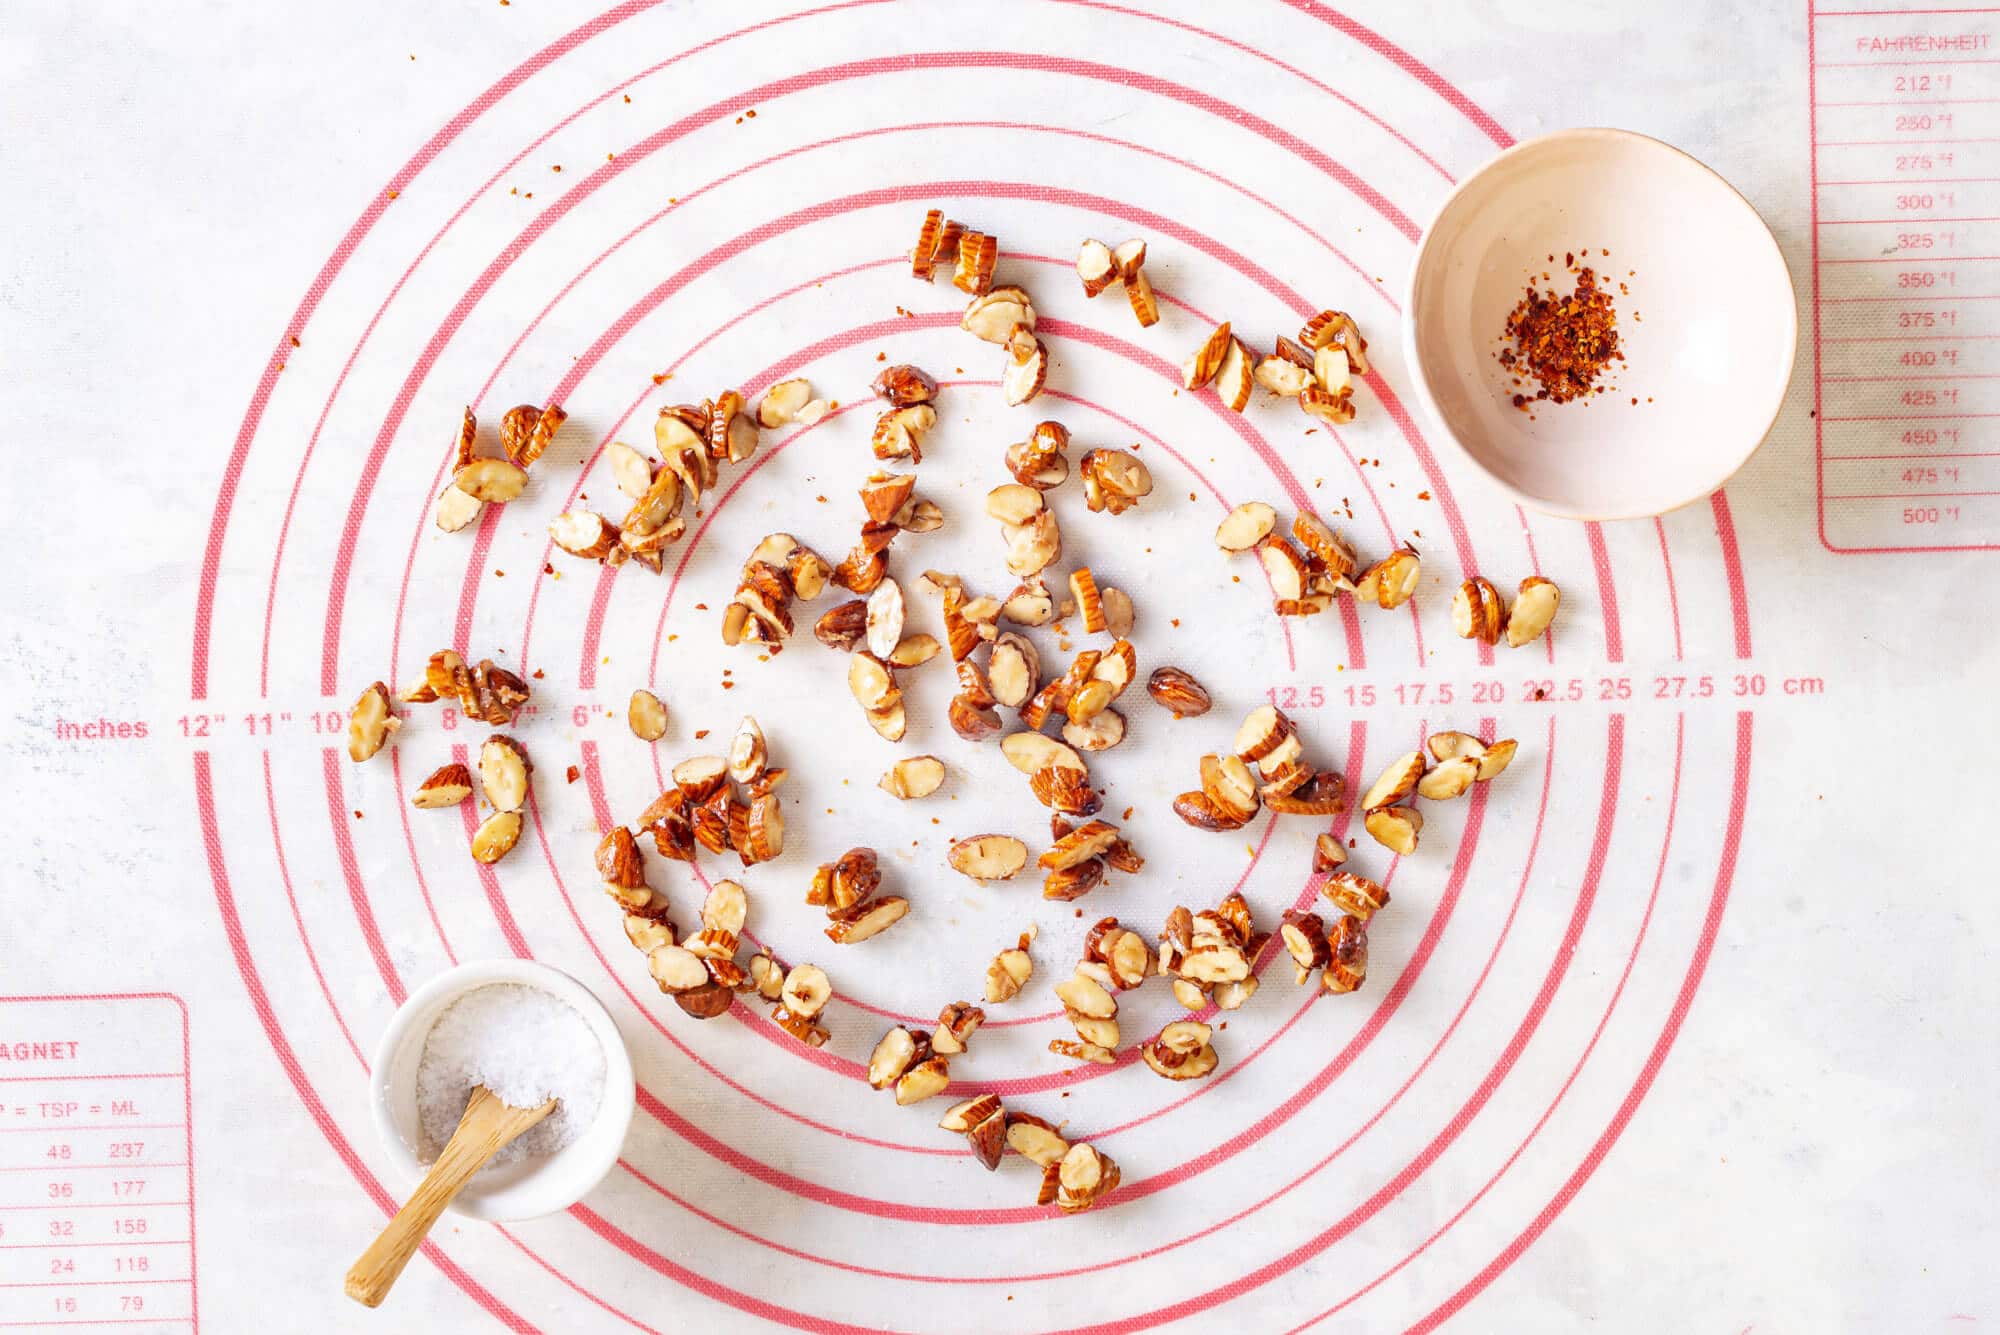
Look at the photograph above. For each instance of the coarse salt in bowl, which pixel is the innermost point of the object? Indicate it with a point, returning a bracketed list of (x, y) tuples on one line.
[(527, 1045), (1707, 322)]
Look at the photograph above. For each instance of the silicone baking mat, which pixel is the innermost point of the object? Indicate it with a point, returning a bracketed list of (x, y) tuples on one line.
[(1684, 1023)]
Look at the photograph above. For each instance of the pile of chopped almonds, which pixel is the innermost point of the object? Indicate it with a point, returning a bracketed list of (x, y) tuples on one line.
[(730, 803)]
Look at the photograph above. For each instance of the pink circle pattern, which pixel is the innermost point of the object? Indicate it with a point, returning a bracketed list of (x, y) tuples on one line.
[(1454, 1293)]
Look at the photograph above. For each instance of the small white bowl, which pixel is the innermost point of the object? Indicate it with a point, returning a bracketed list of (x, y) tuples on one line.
[(1708, 326), (526, 1187)]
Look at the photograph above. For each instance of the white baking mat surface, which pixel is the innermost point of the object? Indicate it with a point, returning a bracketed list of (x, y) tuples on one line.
[(1686, 1023)]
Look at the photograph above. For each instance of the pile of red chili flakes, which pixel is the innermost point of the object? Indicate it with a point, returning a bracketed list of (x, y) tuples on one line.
[(1564, 344)]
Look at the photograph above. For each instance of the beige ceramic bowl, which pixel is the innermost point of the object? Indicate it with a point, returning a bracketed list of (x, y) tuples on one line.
[(1709, 323)]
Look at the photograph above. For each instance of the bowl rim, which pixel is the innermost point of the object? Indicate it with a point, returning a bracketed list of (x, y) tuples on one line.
[(580, 1174), (1420, 381)]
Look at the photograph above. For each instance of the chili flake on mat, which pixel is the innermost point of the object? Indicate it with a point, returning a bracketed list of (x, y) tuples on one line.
[(1564, 343)]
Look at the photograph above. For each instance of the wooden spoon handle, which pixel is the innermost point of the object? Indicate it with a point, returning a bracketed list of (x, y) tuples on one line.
[(487, 1125)]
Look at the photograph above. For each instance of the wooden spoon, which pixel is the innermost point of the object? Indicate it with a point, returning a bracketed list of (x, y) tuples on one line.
[(487, 1126)]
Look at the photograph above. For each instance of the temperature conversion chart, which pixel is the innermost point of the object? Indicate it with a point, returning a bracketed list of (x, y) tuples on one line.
[(96, 1177), (1906, 274)]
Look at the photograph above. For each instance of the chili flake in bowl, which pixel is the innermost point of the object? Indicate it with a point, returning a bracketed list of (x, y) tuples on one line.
[(1601, 324)]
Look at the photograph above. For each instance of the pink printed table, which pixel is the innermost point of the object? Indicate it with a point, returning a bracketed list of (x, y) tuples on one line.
[(1685, 1022)]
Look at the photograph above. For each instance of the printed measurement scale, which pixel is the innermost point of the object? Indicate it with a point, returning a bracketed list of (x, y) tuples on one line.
[(96, 1154), (1906, 276)]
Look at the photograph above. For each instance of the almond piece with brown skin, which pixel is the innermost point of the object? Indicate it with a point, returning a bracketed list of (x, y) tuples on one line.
[(1199, 810), (496, 836), (1476, 611), (1034, 1139), (503, 772), (1533, 611), (1245, 527), (447, 786), (700, 778), (988, 857), (1012, 503), (1013, 670), (370, 722), (914, 651), (925, 255), (1282, 377), (806, 991), (676, 969), (963, 1117), (1451, 745), (1496, 758), (1008, 973), (1042, 472), (1348, 967), (1162, 1061), (1285, 568), (1206, 360), (1095, 267), (493, 481), (895, 1052), (1177, 691), (1390, 581), (1227, 783), (993, 316), (781, 403), (904, 385), (1089, 603), (1030, 604), (1115, 480), (1323, 405), (1079, 846), (1333, 552), (646, 716), (1073, 882), (1328, 854), (1065, 790), (899, 432), (927, 1079), (1145, 305), (618, 860), (1395, 828), (1102, 731), (972, 721), (851, 926), (1079, 1050), (988, 1139), (913, 777), (955, 1026), (977, 254), (1034, 546), (1027, 366), (1304, 938), (1396, 782), (843, 627), (455, 509), (767, 977), (584, 534), (890, 722), (648, 934), (1029, 752), (883, 494), (1355, 895), (870, 681), (1449, 779), (1234, 377), (1084, 1177), (725, 909), (1322, 796)]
